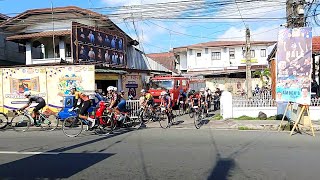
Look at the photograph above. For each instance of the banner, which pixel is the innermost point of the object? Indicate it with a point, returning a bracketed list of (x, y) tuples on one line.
[(294, 63), (50, 82), (132, 85), (90, 44)]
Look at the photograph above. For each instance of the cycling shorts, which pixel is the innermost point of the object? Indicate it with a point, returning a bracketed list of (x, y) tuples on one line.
[(85, 107), (40, 105), (122, 105)]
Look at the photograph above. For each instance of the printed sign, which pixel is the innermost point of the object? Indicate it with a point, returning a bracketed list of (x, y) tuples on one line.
[(294, 56), (93, 45), (132, 85)]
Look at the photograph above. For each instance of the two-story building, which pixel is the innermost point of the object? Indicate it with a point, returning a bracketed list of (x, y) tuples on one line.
[(79, 36), (10, 53), (222, 63)]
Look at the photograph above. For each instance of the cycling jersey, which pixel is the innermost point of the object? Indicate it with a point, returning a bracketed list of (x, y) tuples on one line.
[(36, 99), (148, 97)]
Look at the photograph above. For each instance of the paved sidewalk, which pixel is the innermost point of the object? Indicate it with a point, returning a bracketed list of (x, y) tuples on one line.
[(186, 122)]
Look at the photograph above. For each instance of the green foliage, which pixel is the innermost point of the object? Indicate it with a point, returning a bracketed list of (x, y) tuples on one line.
[(244, 128), (217, 117)]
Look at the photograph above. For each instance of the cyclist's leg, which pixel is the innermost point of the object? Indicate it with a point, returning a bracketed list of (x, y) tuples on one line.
[(35, 111)]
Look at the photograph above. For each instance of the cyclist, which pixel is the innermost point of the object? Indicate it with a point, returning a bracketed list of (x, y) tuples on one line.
[(148, 100), (41, 104), (203, 97), (86, 104), (115, 98), (194, 99), (166, 101), (121, 106)]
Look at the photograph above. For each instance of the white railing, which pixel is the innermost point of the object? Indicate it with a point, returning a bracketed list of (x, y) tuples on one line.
[(255, 102), (133, 106)]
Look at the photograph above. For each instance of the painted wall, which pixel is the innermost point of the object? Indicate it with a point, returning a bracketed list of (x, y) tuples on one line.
[(49, 82), (233, 85)]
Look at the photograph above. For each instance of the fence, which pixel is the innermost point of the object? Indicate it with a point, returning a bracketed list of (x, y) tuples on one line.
[(256, 102), (133, 106)]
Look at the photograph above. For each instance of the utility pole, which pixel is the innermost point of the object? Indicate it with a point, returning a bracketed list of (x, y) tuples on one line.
[(295, 13), (248, 64)]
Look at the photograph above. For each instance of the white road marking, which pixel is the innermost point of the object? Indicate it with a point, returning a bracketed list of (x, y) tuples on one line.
[(29, 153)]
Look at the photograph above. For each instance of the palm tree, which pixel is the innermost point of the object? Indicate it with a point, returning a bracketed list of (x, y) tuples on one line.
[(263, 74)]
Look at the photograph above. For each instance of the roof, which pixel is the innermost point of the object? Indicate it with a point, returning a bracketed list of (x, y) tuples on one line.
[(167, 59), (3, 17), (60, 13), (40, 34), (224, 43), (316, 44)]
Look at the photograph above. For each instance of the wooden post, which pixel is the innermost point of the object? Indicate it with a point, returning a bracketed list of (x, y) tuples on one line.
[(273, 78), (289, 105)]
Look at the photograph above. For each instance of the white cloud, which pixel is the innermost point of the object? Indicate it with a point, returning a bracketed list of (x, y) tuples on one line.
[(265, 33)]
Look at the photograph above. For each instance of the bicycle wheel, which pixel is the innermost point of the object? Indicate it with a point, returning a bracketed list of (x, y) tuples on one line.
[(180, 113), (173, 118), (197, 119), (72, 127), (135, 123), (163, 120), (50, 123), (191, 112), (20, 123), (107, 128), (3, 120)]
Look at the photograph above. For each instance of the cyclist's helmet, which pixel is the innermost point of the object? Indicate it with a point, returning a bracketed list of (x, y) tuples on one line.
[(115, 89), (202, 90), (109, 88), (143, 90), (27, 93), (207, 88), (163, 93)]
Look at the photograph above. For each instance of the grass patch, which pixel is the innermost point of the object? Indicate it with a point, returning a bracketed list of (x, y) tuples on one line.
[(254, 118), (217, 117), (244, 128)]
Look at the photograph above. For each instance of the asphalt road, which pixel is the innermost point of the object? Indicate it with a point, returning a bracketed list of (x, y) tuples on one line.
[(159, 154)]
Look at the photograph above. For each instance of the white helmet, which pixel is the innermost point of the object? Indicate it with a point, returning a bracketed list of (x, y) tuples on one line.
[(109, 88), (27, 93), (202, 90), (206, 88), (115, 89), (163, 93), (143, 90)]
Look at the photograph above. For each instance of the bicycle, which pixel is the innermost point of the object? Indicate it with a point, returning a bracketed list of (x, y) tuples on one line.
[(3, 120), (199, 115), (166, 119), (147, 114), (21, 121)]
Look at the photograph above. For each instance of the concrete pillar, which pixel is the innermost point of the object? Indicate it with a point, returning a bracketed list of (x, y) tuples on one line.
[(62, 49), (28, 53), (226, 107)]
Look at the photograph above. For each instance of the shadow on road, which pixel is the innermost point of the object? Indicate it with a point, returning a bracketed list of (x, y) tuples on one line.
[(222, 169), (56, 166), (45, 166)]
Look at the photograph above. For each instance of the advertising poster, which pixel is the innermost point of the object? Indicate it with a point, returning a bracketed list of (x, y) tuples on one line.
[(1, 95), (61, 78), (294, 62), (93, 45), (18, 80), (132, 85)]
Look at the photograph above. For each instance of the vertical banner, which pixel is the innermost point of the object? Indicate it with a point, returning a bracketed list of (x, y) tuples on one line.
[(132, 85), (61, 78), (18, 80), (294, 65), (1, 90)]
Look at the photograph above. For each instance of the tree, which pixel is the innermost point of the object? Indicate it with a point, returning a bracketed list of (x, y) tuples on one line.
[(263, 74)]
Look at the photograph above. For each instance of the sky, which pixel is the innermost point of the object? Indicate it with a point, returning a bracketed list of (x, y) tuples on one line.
[(161, 35)]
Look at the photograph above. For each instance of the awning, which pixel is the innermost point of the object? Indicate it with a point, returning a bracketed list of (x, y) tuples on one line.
[(110, 71), (40, 34)]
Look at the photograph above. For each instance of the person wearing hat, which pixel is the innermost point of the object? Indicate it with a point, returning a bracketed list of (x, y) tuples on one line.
[(77, 101)]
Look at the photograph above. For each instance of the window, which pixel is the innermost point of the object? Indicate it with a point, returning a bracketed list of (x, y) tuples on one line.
[(206, 50), (231, 53), (184, 82), (263, 52), (252, 53), (198, 54), (216, 55), (22, 48), (190, 52)]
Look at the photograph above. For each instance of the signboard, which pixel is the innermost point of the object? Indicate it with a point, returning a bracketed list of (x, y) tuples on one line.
[(132, 85), (294, 56), (244, 61), (90, 44), (50, 82)]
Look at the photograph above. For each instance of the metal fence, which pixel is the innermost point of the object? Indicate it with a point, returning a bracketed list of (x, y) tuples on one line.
[(256, 102), (133, 106)]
